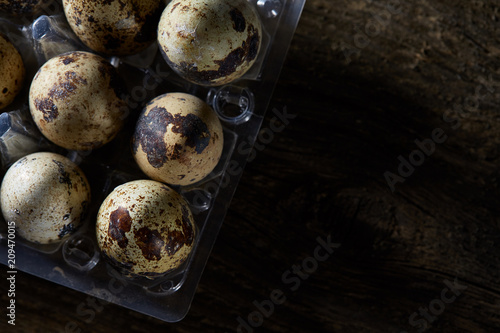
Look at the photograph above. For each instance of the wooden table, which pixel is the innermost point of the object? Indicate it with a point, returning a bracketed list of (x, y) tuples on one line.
[(393, 158)]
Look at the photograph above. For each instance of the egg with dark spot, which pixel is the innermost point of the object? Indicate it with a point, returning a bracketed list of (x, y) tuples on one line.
[(114, 27), (46, 195), (12, 72), (77, 100), (178, 139), (210, 42), (145, 228), (23, 7)]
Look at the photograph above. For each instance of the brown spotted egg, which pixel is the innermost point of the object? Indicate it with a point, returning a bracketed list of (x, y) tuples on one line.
[(178, 139), (11, 72), (23, 7), (46, 195), (210, 42), (114, 27), (145, 228), (77, 101)]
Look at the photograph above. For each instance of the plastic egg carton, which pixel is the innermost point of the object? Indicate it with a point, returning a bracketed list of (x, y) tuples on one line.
[(76, 262)]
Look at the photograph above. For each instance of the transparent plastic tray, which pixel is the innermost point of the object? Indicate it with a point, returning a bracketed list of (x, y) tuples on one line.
[(76, 262)]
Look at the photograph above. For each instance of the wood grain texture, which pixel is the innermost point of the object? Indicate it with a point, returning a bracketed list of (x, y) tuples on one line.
[(324, 176)]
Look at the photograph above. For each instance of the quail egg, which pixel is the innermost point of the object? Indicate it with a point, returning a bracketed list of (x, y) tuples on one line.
[(210, 42), (11, 72), (46, 195), (77, 101), (178, 139), (23, 7), (114, 27), (145, 228)]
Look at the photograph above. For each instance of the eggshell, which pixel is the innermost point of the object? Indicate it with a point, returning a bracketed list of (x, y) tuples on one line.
[(46, 195), (114, 27), (11, 72), (178, 139), (77, 101), (23, 7), (145, 228), (210, 42)]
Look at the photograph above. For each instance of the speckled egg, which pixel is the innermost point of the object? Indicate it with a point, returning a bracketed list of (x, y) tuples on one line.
[(210, 42), (11, 72), (178, 139), (145, 228), (23, 7), (114, 27), (46, 195), (77, 101)]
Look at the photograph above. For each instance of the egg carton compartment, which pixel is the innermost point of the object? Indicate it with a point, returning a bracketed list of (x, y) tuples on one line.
[(76, 262)]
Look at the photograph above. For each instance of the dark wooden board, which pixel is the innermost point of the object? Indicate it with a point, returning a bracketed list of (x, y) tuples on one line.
[(365, 80)]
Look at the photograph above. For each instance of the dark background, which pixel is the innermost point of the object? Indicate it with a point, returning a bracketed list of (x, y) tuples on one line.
[(324, 176)]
